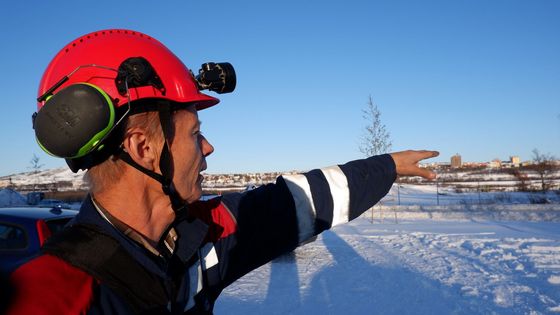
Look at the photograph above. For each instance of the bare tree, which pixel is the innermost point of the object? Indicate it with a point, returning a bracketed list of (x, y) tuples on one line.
[(523, 179), (376, 139), (35, 164), (544, 164)]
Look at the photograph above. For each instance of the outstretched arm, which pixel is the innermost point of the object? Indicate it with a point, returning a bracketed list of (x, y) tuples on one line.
[(275, 218)]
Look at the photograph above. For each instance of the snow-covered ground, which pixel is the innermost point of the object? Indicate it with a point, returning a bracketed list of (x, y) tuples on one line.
[(410, 267)]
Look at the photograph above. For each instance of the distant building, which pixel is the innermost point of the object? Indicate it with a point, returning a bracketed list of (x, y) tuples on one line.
[(496, 163), (474, 164), (506, 164), (456, 161), (515, 160), (435, 165)]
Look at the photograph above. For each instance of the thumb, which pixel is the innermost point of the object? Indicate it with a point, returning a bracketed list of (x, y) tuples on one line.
[(426, 173)]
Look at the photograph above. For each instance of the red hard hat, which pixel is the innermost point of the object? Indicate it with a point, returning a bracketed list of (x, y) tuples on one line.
[(108, 49)]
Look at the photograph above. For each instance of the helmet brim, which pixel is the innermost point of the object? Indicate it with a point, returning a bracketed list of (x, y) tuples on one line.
[(205, 101)]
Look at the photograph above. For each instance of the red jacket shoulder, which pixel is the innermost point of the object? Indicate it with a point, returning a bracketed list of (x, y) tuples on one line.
[(214, 213), (49, 285)]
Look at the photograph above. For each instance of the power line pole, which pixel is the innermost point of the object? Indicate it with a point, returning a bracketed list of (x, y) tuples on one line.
[(437, 191)]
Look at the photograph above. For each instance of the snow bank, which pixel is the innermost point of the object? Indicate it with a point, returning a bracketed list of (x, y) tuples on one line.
[(9, 197)]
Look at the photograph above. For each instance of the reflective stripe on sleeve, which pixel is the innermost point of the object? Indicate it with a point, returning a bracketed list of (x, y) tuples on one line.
[(303, 200), (338, 184)]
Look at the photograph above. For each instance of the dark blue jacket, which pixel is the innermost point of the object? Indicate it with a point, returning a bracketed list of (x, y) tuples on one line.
[(230, 236)]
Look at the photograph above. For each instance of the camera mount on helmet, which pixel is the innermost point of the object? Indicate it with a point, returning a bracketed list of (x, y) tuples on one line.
[(218, 77), (137, 72)]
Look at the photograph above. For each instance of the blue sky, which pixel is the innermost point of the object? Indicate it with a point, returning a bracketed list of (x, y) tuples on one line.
[(479, 78)]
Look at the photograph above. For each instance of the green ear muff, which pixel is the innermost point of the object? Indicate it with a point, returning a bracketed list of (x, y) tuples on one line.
[(72, 122)]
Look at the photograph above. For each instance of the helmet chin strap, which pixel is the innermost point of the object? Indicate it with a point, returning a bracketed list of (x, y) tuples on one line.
[(165, 163)]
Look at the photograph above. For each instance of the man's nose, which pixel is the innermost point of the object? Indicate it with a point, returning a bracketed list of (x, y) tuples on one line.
[(207, 148)]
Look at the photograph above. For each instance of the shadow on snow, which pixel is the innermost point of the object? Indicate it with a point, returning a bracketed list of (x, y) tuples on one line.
[(353, 285)]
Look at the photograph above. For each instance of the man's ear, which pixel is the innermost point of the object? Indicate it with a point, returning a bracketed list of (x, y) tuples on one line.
[(141, 149)]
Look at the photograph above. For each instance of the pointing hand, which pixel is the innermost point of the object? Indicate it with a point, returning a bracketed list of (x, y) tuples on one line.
[(407, 163)]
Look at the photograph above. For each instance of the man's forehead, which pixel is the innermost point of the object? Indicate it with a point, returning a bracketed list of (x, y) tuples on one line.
[(191, 108), (190, 113)]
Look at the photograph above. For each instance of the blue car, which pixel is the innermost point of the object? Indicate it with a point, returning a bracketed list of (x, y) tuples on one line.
[(24, 229)]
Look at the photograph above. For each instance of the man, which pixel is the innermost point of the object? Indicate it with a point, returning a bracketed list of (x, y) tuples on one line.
[(119, 104)]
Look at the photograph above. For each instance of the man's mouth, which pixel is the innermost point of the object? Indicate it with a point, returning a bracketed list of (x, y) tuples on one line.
[(200, 176)]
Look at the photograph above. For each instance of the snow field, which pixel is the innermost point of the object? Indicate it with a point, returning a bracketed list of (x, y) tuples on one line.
[(413, 267)]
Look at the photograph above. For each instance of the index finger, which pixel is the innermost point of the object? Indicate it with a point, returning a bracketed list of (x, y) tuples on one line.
[(426, 154)]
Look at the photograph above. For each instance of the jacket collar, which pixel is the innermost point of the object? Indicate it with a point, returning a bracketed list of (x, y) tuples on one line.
[(190, 237)]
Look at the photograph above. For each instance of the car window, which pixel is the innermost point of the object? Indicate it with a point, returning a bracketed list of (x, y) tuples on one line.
[(12, 237), (56, 225)]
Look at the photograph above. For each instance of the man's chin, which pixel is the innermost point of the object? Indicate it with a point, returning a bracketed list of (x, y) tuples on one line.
[(195, 195)]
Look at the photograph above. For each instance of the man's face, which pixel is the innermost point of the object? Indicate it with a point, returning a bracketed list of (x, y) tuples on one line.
[(189, 149)]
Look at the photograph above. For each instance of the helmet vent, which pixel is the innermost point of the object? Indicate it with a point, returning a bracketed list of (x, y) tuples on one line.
[(107, 32)]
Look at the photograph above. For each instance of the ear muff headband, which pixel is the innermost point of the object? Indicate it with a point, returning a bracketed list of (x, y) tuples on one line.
[(74, 121)]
